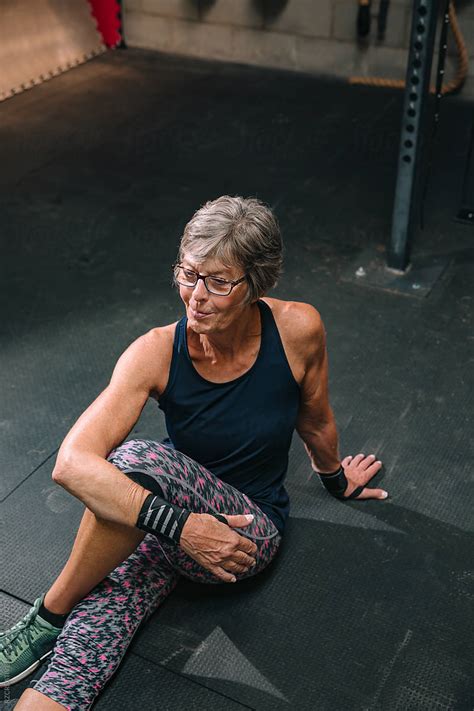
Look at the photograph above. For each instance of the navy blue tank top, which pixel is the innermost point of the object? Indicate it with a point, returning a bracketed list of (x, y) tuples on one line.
[(239, 430)]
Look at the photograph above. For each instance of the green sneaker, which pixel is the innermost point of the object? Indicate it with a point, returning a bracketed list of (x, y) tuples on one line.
[(24, 646)]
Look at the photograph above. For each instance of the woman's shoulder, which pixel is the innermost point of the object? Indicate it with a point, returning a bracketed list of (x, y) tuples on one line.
[(295, 319), (163, 333), (160, 339), (301, 329)]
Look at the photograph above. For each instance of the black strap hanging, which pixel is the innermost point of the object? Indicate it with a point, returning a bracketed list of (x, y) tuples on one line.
[(382, 19), (363, 18)]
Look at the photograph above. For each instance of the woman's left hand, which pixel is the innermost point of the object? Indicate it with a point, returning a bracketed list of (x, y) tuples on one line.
[(359, 470)]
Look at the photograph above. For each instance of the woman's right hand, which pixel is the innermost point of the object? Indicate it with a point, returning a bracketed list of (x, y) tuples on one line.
[(216, 547)]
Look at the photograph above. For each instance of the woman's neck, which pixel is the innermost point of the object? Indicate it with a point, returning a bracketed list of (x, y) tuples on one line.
[(225, 345)]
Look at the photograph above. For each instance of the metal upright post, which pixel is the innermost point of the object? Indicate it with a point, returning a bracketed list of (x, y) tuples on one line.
[(417, 87)]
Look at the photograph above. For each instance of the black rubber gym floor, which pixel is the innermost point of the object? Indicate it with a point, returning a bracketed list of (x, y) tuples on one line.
[(369, 605)]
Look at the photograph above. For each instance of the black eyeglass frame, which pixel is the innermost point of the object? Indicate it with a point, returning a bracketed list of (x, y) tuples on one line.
[(208, 276)]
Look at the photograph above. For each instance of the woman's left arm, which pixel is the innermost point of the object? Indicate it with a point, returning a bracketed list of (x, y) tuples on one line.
[(316, 424)]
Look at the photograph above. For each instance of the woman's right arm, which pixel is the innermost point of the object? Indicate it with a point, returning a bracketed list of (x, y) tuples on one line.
[(81, 467)]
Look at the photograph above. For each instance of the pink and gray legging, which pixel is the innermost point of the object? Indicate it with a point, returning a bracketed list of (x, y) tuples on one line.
[(101, 626)]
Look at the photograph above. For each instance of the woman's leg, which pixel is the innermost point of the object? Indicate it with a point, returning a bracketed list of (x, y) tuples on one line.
[(32, 700), (102, 545), (182, 481), (98, 548), (101, 626)]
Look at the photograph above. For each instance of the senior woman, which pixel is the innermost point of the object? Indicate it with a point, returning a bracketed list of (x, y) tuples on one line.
[(234, 377)]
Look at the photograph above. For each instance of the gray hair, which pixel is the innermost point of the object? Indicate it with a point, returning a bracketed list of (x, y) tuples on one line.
[(241, 232)]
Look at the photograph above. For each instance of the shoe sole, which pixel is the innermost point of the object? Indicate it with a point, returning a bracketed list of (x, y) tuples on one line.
[(26, 672)]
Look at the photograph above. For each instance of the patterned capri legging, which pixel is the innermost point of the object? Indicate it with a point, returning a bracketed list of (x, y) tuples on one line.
[(101, 626)]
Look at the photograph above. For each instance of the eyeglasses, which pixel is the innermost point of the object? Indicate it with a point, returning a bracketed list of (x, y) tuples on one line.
[(214, 285)]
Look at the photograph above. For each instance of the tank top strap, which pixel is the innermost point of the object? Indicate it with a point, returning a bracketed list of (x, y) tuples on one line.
[(180, 336), (179, 348), (272, 350)]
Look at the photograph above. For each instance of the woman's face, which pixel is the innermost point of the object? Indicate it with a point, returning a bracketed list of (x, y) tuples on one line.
[(210, 313)]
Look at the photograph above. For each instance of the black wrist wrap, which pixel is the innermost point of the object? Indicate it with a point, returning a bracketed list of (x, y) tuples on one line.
[(335, 483), (160, 517)]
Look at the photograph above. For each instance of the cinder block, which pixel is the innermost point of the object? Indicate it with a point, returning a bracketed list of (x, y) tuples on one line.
[(323, 56), (231, 12), (398, 20), (268, 49), (203, 40), (344, 25), (148, 31), (131, 6), (300, 17), (183, 9), (346, 59), (388, 62), (237, 44), (465, 11), (468, 88), (178, 36), (466, 26)]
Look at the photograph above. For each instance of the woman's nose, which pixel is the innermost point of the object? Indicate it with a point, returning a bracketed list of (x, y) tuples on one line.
[(200, 290)]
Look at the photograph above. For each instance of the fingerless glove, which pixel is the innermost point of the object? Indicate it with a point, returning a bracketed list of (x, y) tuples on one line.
[(335, 483)]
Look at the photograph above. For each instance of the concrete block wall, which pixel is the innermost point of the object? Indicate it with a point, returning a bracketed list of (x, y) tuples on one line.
[(317, 36)]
